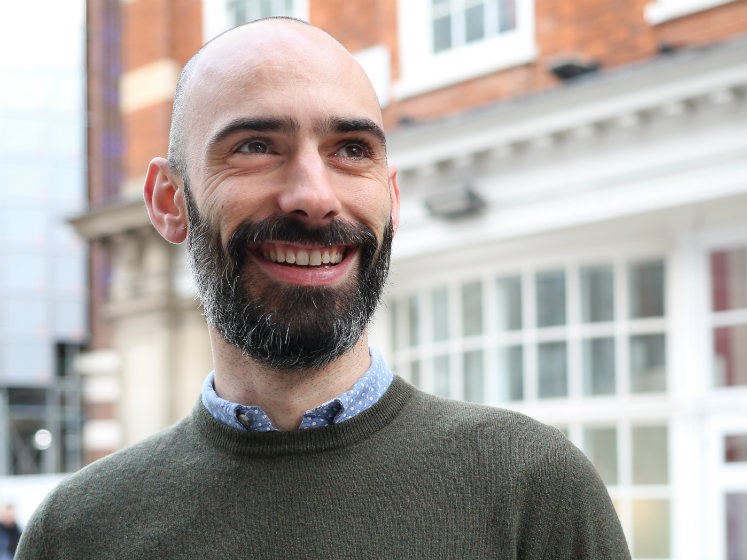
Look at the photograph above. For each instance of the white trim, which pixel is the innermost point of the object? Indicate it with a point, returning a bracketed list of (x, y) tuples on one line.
[(422, 71), (661, 11)]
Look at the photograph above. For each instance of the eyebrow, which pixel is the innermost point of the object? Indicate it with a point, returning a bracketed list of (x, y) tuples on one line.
[(343, 125), (287, 126)]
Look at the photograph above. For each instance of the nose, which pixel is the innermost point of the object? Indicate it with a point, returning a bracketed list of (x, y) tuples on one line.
[(308, 194)]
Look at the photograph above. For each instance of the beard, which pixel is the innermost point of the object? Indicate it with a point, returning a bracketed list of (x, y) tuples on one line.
[(284, 326)]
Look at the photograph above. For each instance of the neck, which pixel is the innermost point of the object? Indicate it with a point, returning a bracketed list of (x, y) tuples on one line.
[(284, 395)]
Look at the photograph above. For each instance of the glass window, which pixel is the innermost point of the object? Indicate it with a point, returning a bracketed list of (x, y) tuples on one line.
[(511, 373), (550, 286), (441, 25), (394, 325), (509, 303), (506, 15), (736, 521), (441, 314), (474, 388), (25, 272), (413, 320), (600, 445), (472, 309), (441, 376), (648, 363), (650, 455), (552, 369), (646, 289), (242, 11), (729, 280), (475, 22), (597, 294), (69, 320), (415, 373), (25, 316), (651, 528), (27, 226), (730, 356), (69, 275), (26, 363), (598, 366), (735, 449)]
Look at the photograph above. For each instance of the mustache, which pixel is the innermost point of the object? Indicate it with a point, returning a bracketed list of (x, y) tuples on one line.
[(285, 229)]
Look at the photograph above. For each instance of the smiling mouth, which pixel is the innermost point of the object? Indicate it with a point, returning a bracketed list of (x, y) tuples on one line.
[(289, 255)]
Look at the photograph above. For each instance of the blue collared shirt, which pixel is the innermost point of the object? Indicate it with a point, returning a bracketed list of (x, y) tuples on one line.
[(365, 393)]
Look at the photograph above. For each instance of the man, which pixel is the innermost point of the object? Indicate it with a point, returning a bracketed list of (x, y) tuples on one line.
[(303, 444), (9, 532)]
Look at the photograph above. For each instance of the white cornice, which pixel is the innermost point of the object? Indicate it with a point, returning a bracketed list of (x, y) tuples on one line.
[(623, 98), (104, 223)]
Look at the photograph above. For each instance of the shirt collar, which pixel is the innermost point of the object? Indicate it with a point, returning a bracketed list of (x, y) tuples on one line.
[(365, 393)]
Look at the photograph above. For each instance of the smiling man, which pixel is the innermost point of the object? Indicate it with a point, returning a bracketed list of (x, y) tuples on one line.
[(303, 444)]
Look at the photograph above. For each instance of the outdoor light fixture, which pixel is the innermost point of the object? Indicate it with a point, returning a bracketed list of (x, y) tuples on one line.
[(567, 68), (454, 203)]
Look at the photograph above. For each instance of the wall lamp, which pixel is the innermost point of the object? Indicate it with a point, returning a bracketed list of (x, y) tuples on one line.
[(454, 203)]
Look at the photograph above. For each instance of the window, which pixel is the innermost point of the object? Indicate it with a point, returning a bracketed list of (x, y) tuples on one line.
[(546, 333), (447, 41), (728, 279), (220, 15)]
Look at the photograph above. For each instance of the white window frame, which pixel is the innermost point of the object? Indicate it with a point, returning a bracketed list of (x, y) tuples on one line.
[(421, 70), (215, 18), (661, 11)]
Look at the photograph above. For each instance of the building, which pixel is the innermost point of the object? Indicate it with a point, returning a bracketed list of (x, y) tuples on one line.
[(42, 261), (572, 239)]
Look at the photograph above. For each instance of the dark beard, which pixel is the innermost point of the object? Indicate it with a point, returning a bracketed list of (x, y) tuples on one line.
[(285, 326)]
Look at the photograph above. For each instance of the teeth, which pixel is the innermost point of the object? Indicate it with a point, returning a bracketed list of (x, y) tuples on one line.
[(303, 257)]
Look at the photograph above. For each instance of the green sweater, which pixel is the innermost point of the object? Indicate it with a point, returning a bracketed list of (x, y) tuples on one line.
[(414, 476)]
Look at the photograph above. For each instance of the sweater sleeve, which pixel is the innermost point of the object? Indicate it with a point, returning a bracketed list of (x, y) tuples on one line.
[(32, 543), (585, 525)]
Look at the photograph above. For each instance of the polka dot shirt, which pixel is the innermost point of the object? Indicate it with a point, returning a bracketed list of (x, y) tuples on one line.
[(365, 393)]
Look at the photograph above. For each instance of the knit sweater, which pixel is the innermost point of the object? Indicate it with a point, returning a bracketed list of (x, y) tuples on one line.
[(414, 476)]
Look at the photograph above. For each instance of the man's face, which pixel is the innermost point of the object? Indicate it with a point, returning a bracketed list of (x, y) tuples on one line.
[(291, 204)]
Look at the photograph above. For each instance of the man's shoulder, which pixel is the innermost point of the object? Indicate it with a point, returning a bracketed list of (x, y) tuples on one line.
[(468, 417)]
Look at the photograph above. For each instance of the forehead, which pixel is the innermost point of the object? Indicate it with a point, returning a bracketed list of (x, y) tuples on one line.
[(271, 70)]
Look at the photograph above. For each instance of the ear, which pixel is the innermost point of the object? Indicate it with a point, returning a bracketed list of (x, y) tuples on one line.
[(164, 198), (394, 195)]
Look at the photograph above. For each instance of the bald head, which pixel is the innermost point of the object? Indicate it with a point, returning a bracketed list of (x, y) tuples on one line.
[(250, 53)]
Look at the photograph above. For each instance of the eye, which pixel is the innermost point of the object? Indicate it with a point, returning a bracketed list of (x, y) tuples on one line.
[(254, 146), (354, 150)]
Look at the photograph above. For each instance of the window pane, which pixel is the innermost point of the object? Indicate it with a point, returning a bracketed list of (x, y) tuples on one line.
[(26, 272), (413, 320), (441, 376), (472, 309), (441, 34), (506, 15), (473, 376), (394, 325), (600, 446), (552, 369), (550, 286), (730, 356), (597, 294), (736, 521), (509, 303), (648, 363), (651, 528), (735, 449), (729, 280), (598, 361), (650, 455), (441, 314), (24, 316), (26, 363), (511, 373), (646, 289), (474, 19), (415, 373)]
